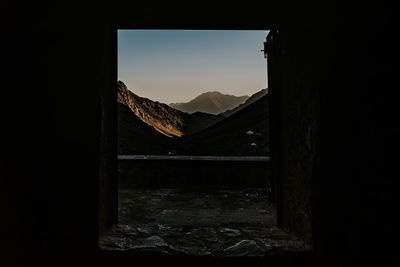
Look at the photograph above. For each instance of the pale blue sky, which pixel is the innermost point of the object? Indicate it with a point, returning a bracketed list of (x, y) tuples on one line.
[(178, 65)]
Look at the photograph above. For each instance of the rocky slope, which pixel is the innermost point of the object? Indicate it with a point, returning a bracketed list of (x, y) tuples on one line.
[(210, 102), (136, 137), (163, 118)]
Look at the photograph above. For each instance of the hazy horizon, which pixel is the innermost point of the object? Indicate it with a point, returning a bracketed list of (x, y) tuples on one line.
[(173, 66)]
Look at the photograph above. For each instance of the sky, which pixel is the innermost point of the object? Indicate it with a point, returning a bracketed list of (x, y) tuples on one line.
[(172, 66)]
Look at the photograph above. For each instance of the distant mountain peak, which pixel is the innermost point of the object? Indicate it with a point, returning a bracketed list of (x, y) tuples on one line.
[(212, 102), (211, 93)]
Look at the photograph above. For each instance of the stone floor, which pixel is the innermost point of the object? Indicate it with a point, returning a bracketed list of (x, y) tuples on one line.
[(219, 222)]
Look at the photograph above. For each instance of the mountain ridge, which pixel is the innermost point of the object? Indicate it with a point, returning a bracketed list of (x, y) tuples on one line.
[(212, 102), (231, 136), (140, 130), (163, 118), (254, 97)]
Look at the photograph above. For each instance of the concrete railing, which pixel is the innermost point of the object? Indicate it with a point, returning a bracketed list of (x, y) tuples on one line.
[(194, 158)]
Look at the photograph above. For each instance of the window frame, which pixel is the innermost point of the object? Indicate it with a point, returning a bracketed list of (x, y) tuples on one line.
[(108, 194)]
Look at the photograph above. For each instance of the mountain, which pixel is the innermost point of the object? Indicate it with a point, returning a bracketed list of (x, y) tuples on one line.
[(163, 118), (232, 136), (249, 101), (145, 127), (136, 137), (210, 102)]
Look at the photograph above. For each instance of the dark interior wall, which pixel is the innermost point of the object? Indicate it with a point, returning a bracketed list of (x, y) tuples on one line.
[(51, 116), (353, 189), (108, 174), (52, 113), (296, 130), (337, 131)]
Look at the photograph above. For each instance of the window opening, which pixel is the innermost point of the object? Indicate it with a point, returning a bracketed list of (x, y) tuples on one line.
[(193, 144)]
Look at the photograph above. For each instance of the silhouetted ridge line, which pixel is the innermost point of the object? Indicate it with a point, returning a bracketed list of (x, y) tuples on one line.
[(249, 101)]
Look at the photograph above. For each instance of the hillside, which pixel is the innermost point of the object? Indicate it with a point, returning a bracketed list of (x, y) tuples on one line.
[(230, 136), (145, 127), (136, 137), (163, 118), (210, 102), (249, 101)]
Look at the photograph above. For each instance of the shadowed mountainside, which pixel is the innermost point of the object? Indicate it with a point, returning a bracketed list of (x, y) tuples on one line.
[(249, 101), (136, 137), (210, 102), (163, 118), (231, 136)]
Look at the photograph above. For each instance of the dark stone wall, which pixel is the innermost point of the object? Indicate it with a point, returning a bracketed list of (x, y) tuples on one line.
[(192, 174), (297, 104), (51, 128), (354, 187)]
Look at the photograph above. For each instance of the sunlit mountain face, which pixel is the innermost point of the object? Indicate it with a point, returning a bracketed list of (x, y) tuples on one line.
[(151, 127)]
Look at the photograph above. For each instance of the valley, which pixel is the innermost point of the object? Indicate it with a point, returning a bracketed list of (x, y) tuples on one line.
[(150, 127)]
